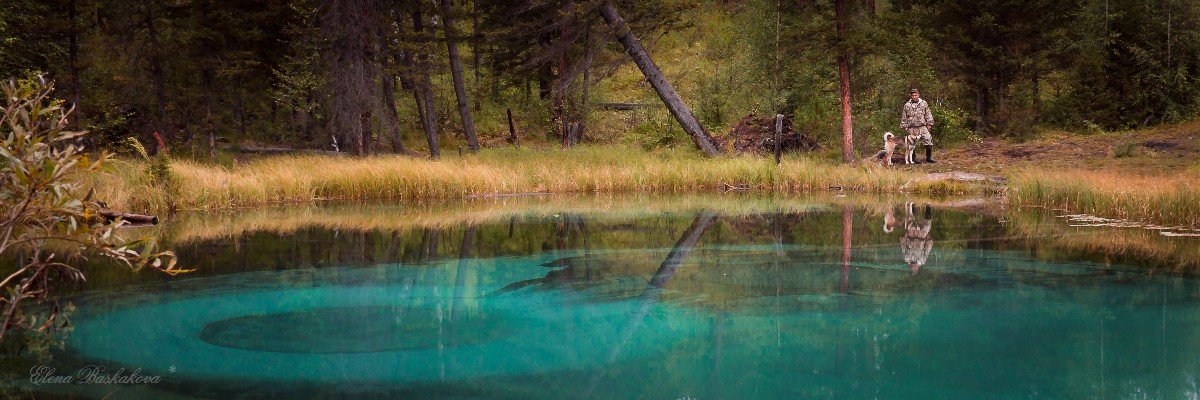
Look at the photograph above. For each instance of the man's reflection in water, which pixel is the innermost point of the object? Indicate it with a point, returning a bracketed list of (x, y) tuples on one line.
[(916, 242)]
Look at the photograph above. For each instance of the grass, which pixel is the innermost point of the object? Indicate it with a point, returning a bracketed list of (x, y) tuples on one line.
[(585, 169), (1170, 199), (1157, 182)]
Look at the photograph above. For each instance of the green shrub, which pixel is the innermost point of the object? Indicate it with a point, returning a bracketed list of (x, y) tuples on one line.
[(953, 126), (49, 222)]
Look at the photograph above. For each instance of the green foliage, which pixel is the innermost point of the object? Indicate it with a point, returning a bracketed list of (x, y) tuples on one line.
[(112, 130), (49, 224), (258, 71), (1124, 150), (711, 106), (657, 131), (1133, 64), (953, 126)]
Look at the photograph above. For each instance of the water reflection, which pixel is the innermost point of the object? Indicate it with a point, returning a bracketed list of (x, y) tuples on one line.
[(722, 298), (916, 242)]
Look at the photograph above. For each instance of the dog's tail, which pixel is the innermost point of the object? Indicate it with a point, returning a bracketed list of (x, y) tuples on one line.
[(888, 136)]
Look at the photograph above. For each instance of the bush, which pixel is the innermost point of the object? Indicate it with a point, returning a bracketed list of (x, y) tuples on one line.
[(50, 226), (953, 126)]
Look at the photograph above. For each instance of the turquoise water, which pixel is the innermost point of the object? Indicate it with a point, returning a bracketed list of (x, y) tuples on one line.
[(669, 306)]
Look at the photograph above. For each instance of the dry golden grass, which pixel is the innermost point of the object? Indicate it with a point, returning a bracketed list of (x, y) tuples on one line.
[(1172, 198), (586, 169)]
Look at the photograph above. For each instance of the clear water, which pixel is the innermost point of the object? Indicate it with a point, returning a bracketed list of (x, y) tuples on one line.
[(683, 305)]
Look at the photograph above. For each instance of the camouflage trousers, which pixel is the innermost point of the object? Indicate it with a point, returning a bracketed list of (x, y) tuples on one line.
[(922, 131)]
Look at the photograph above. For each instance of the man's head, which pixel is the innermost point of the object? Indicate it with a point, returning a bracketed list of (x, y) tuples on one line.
[(914, 94)]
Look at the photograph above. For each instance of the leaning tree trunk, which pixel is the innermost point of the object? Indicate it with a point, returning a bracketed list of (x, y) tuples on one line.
[(460, 90), (665, 91)]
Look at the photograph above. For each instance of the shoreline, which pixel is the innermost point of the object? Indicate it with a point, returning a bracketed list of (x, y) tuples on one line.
[(617, 170)]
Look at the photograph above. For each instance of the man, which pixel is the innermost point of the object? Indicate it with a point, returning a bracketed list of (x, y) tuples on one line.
[(916, 243), (917, 120)]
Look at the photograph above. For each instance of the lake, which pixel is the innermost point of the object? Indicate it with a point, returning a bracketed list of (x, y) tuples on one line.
[(689, 297)]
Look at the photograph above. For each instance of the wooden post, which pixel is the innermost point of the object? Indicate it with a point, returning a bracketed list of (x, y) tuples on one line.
[(778, 135), (512, 131), (665, 91)]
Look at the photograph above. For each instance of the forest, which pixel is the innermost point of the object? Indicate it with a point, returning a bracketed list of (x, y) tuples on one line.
[(610, 199), (423, 77)]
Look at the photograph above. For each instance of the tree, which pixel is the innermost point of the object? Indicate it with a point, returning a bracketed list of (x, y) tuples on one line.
[(665, 91), (416, 62), (989, 45), (844, 85), (460, 90), (349, 25), (49, 225)]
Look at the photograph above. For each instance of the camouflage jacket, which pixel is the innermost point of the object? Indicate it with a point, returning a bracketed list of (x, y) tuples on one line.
[(916, 114)]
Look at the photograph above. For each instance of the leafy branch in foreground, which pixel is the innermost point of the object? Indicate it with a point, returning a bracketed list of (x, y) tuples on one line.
[(49, 226)]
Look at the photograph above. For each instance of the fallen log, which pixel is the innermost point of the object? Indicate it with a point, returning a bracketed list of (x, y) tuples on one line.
[(736, 187), (129, 218), (622, 106), (499, 195)]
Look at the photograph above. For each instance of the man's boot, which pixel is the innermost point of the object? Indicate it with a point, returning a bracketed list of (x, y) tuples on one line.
[(929, 154)]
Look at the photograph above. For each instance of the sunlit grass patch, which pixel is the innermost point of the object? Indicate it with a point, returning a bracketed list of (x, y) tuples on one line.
[(585, 169), (1173, 198)]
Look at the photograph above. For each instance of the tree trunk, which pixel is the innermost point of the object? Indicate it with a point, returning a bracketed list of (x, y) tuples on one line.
[(1037, 94), (156, 72), (683, 247), (587, 77), (206, 76), (460, 90), (982, 107), (364, 142), (424, 87), (387, 87), (844, 86), (475, 54), (665, 91), (420, 103), (512, 131)]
